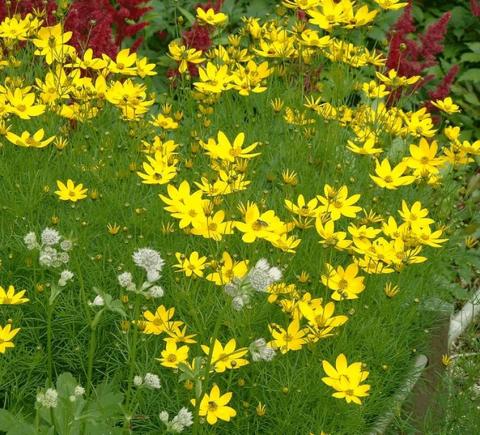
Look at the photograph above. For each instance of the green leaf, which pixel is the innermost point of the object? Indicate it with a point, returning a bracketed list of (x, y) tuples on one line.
[(187, 15), (14, 424), (472, 74), (470, 57), (474, 46)]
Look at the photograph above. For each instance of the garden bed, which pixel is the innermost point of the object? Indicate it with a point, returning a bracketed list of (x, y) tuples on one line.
[(259, 248)]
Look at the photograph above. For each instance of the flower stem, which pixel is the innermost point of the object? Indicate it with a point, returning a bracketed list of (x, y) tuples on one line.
[(132, 358), (49, 343)]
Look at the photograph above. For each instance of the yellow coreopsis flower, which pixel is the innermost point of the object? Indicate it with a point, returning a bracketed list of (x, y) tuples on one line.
[(192, 265), (446, 105), (211, 17), (223, 149), (51, 42), (228, 269), (391, 4), (124, 63), (22, 104), (160, 321), (172, 356), (184, 55), (393, 80), (389, 178), (6, 336), (214, 407), (293, 338), (70, 191), (344, 282), (228, 357), (9, 297), (346, 379), (28, 140)]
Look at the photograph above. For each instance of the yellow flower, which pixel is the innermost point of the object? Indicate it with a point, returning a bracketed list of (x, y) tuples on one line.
[(113, 229), (446, 360), (184, 55), (344, 282), (227, 270), (389, 178), (214, 406), (471, 242), (277, 104), (193, 265), (393, 80), (223, 149), (391, 290), (290, 178), (9, 297), (173, 356), (293, 338), (70, 192), (391, 4), (6, 336), (211, 18), (27, 140), (346, 379), (159, 322), (261, 409), (423, 157), (22, 104), (227, 357), (124, 62), (51, 42), (446, 105)]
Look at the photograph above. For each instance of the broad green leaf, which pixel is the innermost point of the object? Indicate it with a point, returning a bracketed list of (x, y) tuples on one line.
[(472, 74)]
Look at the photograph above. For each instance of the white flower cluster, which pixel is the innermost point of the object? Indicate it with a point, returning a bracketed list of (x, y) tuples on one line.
[(79, 391), (65, 276), (150, 381), (178, 423), (151, 261), (51, 255), (49, 399), (258, 279), (261, 351), (97, 302)]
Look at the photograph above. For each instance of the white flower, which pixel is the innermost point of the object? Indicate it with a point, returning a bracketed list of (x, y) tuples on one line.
[(262, 275), (182, 420), (238, 302), (164, 417), (79, 391), (137, 381), (184, 417), (152, 381), (48, 399), (153, 275), (66, 245), (155, 291), (48, 257), (31, 241), (98, 301), (65, 276), (275, 273), (261, 351), (125, 280), (63, 257), (151, 261), (50, 237)]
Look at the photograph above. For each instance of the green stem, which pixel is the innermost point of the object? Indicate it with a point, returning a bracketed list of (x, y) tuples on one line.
[(49, 343), (196, 423), (91, 348), (132, 358)]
